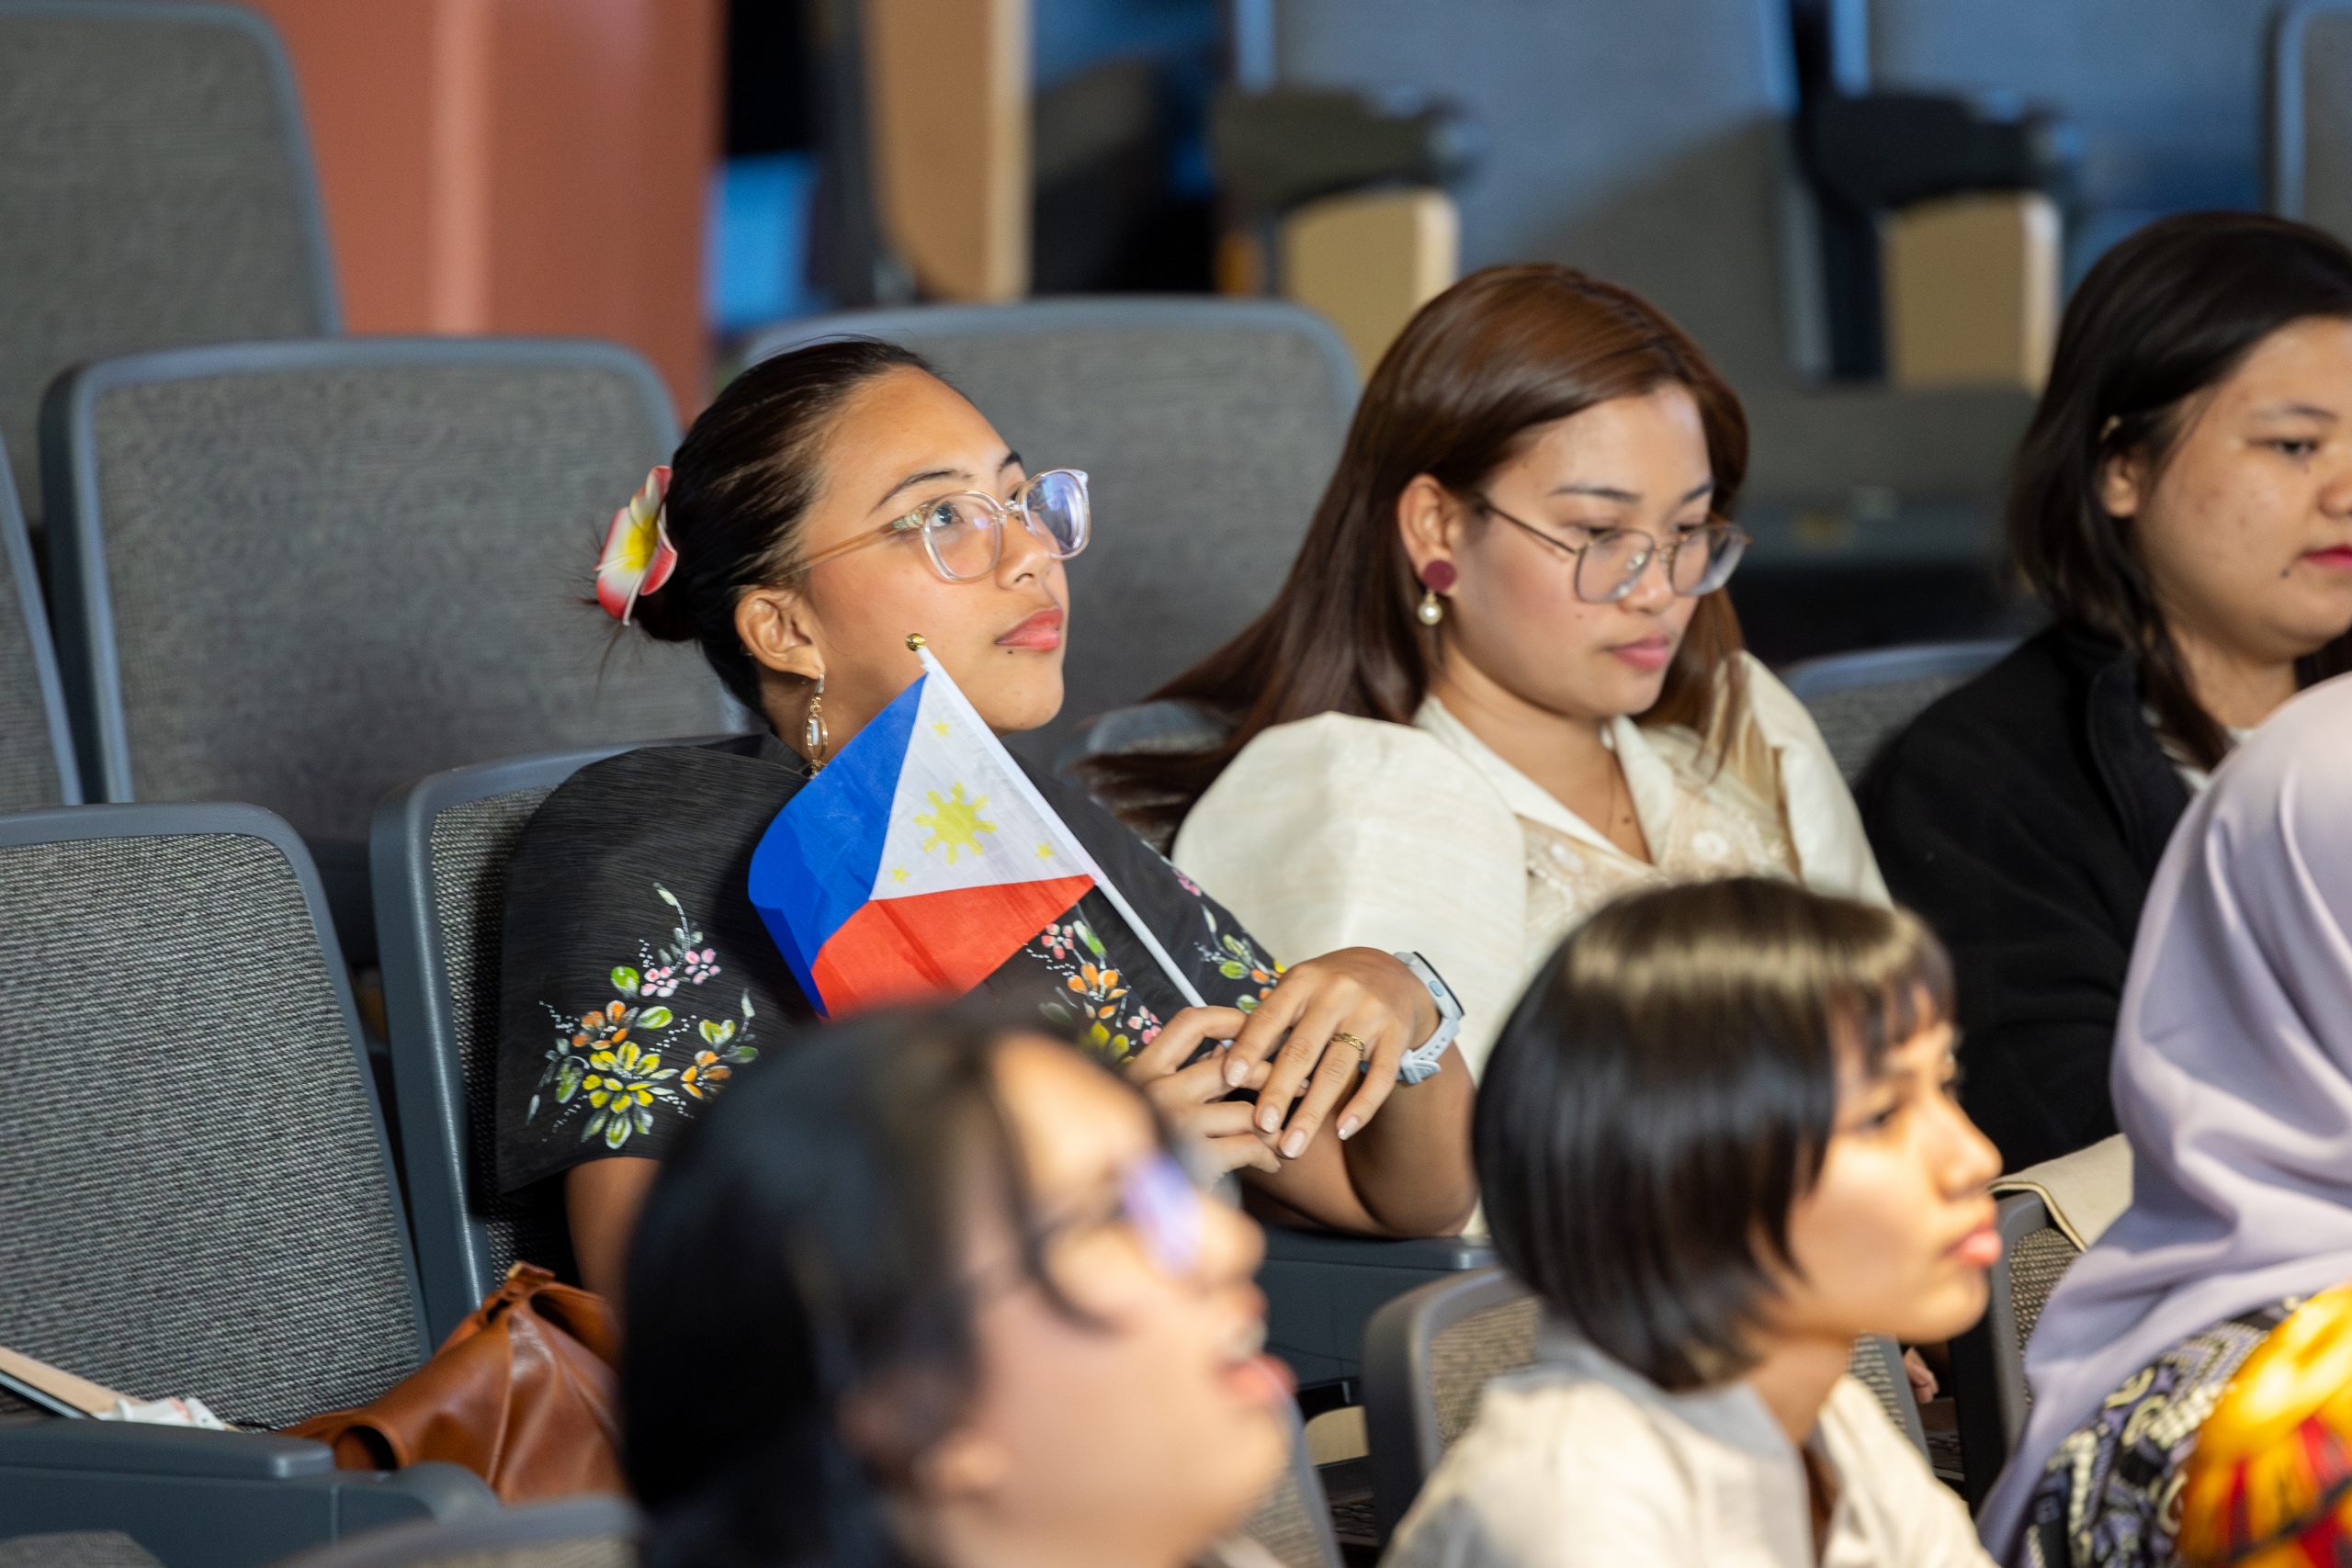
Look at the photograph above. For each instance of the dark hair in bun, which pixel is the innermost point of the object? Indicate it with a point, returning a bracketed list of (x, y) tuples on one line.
[(738, 485)]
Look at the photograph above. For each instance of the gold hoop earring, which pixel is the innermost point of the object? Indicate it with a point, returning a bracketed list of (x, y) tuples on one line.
[(812, 730), (1431, 609)]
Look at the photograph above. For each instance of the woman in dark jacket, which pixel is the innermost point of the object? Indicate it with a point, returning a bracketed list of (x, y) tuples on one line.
[(2183, 506)]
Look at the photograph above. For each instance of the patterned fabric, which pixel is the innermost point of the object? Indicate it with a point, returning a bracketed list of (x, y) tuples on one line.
[(2110, 1495), (638, 979), (1701, 822)]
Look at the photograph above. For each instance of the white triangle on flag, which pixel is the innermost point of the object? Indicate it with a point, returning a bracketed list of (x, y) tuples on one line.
[(956, 821)]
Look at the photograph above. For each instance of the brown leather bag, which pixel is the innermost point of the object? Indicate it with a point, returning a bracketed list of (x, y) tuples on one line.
[(521, 1394)]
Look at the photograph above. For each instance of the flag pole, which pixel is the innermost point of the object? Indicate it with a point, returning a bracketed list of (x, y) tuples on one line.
[(1037, 803)]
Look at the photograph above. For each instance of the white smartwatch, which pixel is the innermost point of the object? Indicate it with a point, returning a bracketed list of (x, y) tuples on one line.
[(1421, 1061)]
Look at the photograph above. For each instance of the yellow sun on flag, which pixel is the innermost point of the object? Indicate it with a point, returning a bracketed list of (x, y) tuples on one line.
[(956, 823)]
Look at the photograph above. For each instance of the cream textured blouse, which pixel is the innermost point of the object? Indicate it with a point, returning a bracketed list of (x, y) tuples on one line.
[(1578, 1462), (1351, 832)]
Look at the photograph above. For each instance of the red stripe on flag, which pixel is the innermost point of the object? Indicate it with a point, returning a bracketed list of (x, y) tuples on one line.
[(930, 945)]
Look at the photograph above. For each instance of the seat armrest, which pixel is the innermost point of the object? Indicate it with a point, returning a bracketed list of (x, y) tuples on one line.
[(133, 1449), (1275, 149), (1433, 1254), (1876, 151)]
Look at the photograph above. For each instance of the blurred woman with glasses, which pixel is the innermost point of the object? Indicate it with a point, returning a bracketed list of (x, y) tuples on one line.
[(938, 1293), (829, 502), (1502, 683)]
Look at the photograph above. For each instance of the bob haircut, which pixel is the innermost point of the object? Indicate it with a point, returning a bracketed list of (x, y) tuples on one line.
[(1665, 1093), (803, 1246), (2168, 315)]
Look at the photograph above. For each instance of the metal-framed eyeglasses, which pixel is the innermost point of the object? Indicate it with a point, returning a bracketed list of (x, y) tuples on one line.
[(1608, 564), (963, 534)]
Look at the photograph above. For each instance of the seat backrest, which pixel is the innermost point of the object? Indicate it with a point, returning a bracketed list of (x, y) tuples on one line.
[(36, 750), (1427, 1357), (573, 1532), (1208, 428), (439, 853), (1647, 144), (1861, 700), (159, 191), (1877, 1365), (75, 1549), (1430, 1354), (198, 1196), (2310, 141), (1293, 1523), (1989, 1389), (2167, 94), (1163, 726), (300, 574)]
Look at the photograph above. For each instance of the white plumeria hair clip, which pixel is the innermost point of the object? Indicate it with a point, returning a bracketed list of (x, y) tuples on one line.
[(638, 556)]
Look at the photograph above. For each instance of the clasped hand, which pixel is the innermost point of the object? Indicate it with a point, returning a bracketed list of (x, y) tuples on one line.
[(1298, 1050)]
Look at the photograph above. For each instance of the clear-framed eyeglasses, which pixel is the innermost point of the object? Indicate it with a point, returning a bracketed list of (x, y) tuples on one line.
[(1160, 1205), (1608, 564), (963, 534)]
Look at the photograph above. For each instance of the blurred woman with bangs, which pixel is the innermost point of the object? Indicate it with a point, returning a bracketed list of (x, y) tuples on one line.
[(1503, 683)]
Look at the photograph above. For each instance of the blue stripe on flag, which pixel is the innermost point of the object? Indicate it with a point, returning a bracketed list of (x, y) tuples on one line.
[(815, 866)]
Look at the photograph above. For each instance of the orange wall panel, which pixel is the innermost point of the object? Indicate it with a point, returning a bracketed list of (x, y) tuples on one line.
[(533, 166)]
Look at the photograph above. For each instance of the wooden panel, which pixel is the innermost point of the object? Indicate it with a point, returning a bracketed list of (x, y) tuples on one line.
[(1972, 290), (535, 166), (1369, 259), (947, 99)]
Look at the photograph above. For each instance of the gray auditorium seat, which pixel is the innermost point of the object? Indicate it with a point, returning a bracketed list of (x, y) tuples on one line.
[(299, 574), (1209, 428), (1429, 1356), (2311, 142), (36, 750), (2167, 94), (571, 1532), (439, 851), (1862, 700), (1989, 1392), (158, 190), (75, 1549), (1651, 145), (1293, 1522), (198, 1196)]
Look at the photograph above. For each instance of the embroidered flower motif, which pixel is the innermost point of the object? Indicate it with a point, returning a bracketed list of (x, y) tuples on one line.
[(607, 1061), (1235, 959), (1709, 846), (706, 1075), (1100, 1005)]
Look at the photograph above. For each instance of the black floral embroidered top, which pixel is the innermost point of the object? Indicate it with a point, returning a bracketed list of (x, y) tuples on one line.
[(638, 979), (2110, 1497)]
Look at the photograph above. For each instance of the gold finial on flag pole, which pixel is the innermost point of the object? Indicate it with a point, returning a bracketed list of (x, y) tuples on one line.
[(915, 643)]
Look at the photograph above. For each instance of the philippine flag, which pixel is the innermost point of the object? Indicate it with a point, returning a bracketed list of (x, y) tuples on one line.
[(919, 860)]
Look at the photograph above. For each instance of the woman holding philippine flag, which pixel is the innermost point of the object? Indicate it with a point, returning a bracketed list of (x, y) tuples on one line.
[(673, 910)]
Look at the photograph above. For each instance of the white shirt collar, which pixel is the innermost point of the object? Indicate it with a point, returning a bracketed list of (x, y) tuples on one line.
[(1648, 777)]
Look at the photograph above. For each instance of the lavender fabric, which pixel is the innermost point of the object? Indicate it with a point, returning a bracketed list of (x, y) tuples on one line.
[(2233, 1079)]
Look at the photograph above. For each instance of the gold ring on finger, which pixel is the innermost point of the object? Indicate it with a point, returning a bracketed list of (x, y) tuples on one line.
[(1341, 1037)]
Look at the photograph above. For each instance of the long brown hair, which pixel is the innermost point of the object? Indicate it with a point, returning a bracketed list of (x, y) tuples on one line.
[(1478, 369)]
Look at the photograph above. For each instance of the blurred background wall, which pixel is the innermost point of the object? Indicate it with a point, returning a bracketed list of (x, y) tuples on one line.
[(531, 166)]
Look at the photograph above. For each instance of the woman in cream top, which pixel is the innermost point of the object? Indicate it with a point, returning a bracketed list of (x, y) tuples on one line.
[(1502, 683), (1337, 831)]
